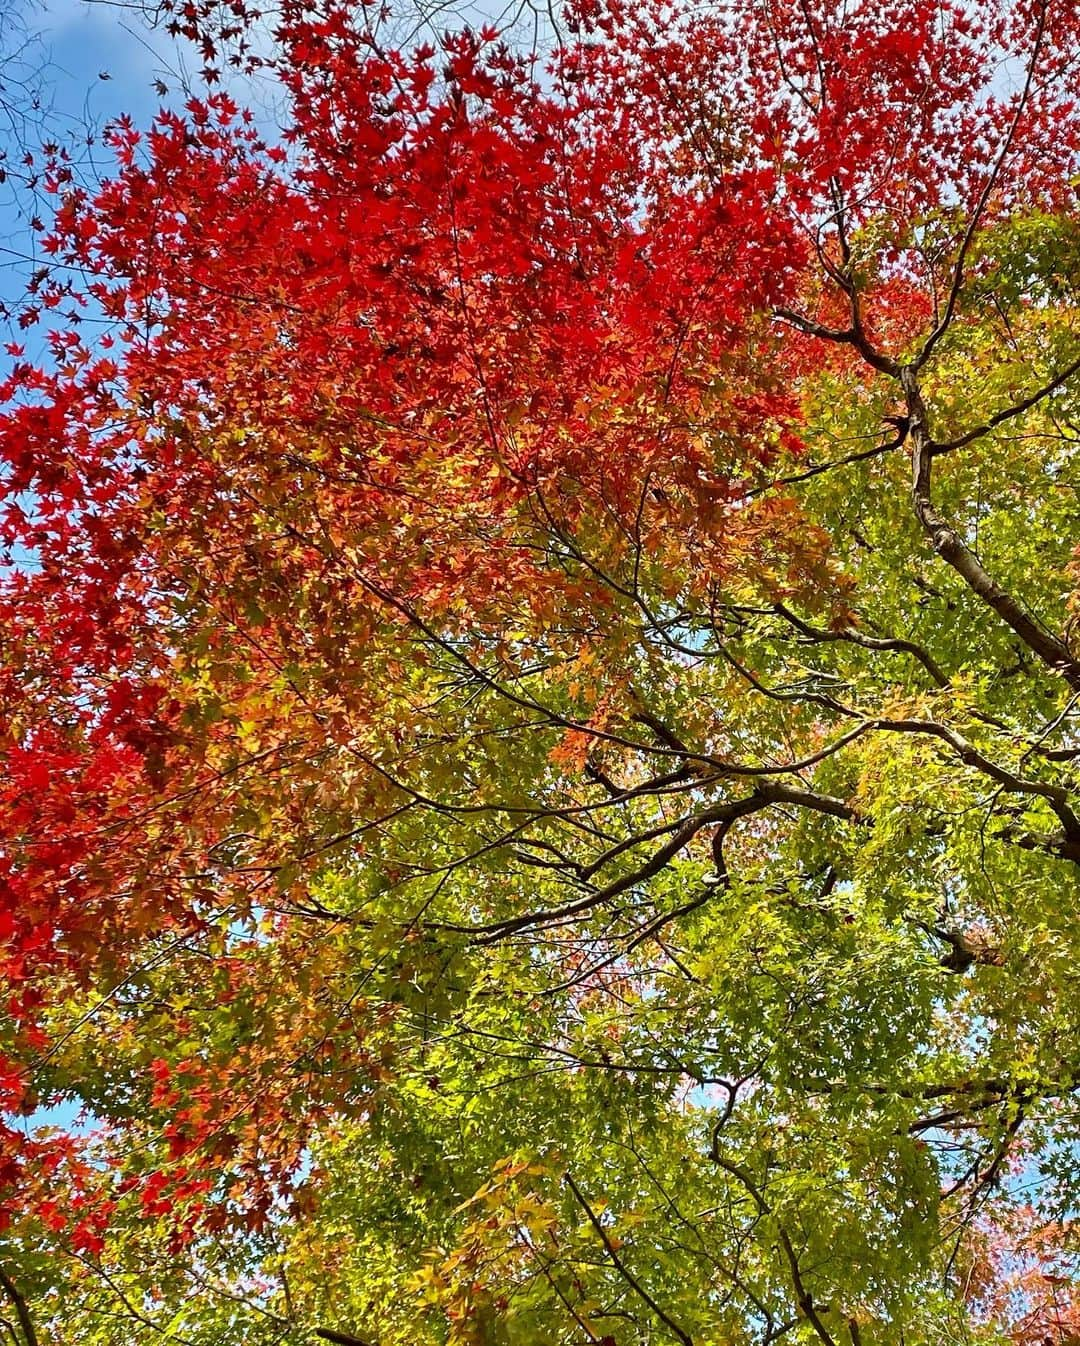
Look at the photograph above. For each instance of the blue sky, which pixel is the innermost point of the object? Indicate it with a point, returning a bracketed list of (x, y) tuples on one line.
[(65, 47), (62, 49)]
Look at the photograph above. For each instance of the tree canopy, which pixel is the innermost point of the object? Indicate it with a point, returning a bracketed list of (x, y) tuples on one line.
[(540, 688)]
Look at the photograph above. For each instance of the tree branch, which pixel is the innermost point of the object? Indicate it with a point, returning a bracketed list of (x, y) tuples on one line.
[(621, 1267), (1017, 410), (984, 196), (856, 637), (816, 469), (852, 336), (952, 549), (803, 1297), (22, 1311)]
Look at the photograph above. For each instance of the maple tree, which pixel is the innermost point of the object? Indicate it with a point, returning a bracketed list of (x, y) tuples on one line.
[(539, 688)]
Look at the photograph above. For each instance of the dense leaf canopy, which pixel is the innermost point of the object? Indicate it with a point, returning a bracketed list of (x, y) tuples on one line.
[(539, 698)]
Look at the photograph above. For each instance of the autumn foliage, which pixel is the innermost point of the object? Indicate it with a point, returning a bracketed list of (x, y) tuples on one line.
[(542, 590)]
